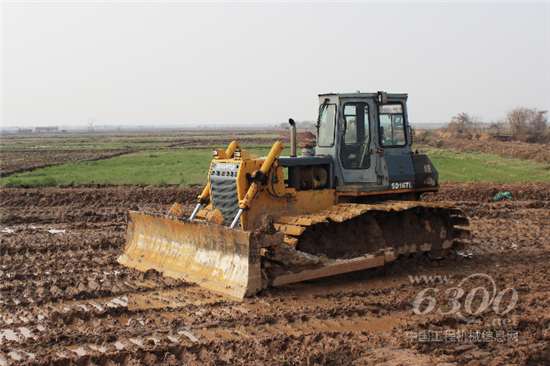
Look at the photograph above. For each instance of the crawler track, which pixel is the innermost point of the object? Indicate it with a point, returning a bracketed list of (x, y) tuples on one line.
[(404, 226)]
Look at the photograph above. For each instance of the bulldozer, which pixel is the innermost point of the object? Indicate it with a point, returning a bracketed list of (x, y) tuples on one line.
[(349, 202)]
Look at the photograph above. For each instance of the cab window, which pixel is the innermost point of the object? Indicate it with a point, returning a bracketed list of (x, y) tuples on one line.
[(392, 125), (327, 118)]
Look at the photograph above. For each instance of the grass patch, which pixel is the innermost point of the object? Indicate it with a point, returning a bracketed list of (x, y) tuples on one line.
[(477, 167), (32, 182), (182, 167)]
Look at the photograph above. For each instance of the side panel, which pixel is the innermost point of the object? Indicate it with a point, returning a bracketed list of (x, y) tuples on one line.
[(305, 202), (400, 171)]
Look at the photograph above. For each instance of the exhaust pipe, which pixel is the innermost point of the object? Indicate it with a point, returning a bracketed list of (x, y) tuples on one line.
[(292, 137), (293, 171)]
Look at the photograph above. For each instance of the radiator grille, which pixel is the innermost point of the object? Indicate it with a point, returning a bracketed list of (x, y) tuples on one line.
[(223, 187)]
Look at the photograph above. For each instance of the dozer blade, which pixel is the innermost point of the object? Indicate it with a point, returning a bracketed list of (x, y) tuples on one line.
[(218, 258)]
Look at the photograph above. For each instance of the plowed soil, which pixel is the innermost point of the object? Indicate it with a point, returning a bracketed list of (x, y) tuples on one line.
[(64, 300)]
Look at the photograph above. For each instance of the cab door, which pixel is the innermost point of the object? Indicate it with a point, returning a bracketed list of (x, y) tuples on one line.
[(356, 157)]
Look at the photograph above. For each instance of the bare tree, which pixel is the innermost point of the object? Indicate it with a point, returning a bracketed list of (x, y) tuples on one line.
[(91, 125), (517, 120), (538, 124), (464, 124), (529, 125)]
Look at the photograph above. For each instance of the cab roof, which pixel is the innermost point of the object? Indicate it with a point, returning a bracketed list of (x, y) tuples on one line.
[(365, 95)]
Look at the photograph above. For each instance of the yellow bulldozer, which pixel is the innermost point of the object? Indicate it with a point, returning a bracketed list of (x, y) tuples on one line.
[(351, 201)]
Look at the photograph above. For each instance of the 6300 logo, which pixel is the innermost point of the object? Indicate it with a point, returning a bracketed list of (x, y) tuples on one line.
[(476, 301)]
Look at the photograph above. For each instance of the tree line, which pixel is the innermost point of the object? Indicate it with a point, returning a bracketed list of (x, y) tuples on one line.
[(520, 124)]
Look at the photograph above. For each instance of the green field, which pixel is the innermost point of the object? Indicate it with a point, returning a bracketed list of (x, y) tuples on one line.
[(154, 167), (476, 167), (190, 167)]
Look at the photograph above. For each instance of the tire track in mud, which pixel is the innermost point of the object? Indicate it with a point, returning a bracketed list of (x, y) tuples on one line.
[(86, 309), (179, 316)]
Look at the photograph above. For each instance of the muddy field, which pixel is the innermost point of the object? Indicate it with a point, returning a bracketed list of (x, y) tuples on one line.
[(64, 300)]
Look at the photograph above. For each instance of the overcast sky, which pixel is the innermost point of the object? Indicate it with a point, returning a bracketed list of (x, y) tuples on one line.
[(181, 63)]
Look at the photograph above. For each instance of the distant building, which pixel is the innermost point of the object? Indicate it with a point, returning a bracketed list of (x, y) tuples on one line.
[(25, 130), (46, 129)]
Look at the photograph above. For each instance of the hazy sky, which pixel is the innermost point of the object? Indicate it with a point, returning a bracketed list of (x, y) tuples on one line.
[(129, 63)]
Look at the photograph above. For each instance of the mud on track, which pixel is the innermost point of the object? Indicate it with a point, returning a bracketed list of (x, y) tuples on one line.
[(64, 299)]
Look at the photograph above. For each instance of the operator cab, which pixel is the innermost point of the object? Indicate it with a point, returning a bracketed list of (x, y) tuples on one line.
[(369, 139)]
